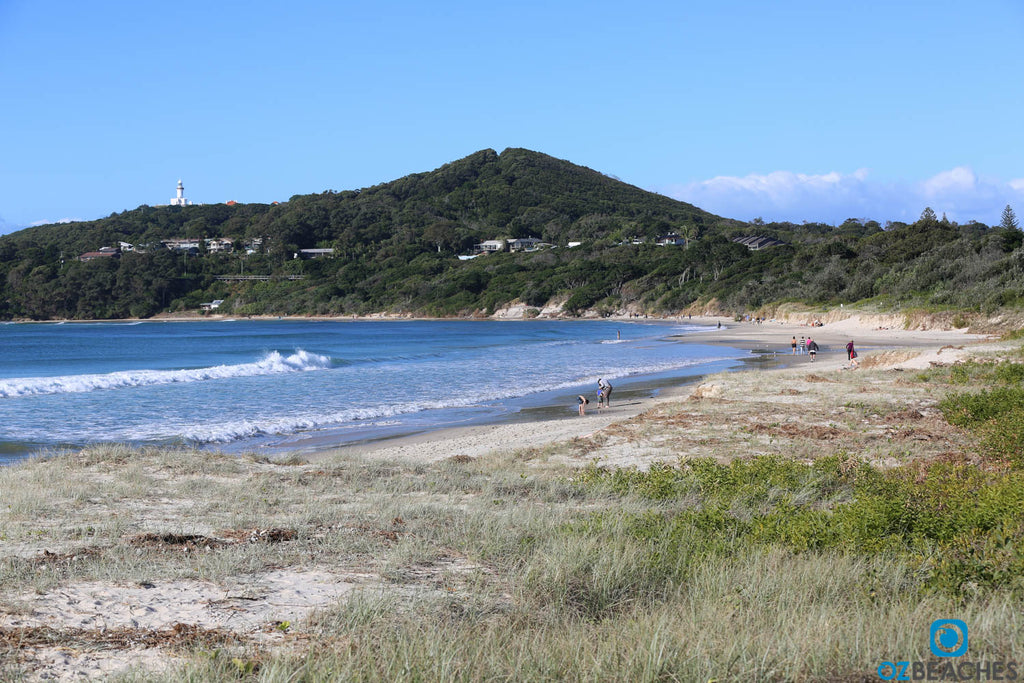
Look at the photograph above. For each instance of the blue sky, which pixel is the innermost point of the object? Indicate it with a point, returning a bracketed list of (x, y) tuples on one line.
[(786, 110)]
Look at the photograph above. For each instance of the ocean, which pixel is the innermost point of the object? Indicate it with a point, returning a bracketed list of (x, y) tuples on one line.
[(278, 386)]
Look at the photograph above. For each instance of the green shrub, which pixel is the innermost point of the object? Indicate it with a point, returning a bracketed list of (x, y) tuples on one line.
[(970, 410), (1010, 373), (1003, 437), (962, 525), (1004, 372)]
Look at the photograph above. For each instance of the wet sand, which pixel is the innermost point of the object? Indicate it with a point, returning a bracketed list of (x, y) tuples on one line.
[(771, 342)]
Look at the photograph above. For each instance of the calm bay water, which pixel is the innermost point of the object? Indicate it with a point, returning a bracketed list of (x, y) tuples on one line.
[(275, 385)]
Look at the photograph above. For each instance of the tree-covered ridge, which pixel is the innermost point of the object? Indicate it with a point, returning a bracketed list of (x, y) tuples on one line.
[(395, 247)]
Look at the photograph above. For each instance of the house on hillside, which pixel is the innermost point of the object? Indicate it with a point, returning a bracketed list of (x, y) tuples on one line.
[(214, 245), (518, 244), (670, 239), (219, 245), (315, 253), (104, 252), (191, 245), (523, 244), (212, 305), (757, 242), (490, 246)]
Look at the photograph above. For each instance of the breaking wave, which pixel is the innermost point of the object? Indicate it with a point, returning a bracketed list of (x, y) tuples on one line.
[(225, 431), (271, 364)]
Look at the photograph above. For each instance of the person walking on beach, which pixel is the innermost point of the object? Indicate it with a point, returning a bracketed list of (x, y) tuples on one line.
[(582, 401), (605, 389), (851, 354), (812, 348), (793, 345), (802, 348)]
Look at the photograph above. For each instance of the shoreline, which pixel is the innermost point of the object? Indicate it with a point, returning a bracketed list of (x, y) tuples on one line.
[(895, 322), (912, 350), (534, 423)]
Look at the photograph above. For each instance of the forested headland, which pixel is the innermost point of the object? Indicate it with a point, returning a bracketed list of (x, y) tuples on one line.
[(396, 247)]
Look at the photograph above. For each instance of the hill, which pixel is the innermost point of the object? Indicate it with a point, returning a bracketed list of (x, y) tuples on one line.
[(395, 248)]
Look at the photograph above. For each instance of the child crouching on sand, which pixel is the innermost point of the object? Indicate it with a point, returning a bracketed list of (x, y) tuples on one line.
[(582, 401)]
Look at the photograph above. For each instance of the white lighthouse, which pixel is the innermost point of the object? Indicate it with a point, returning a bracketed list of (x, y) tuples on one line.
[(180, 199)]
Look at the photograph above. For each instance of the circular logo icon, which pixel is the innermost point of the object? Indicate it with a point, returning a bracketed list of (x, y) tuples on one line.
[(948, 638)]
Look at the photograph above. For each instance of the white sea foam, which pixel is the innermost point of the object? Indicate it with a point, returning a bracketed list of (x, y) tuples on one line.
[(270, 364), (225, 431)]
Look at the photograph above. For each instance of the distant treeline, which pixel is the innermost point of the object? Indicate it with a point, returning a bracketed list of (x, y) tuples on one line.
[(396, 245)]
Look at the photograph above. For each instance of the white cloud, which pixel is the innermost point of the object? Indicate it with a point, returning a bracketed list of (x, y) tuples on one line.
[(49, 222), (833, 197), (960, 179)]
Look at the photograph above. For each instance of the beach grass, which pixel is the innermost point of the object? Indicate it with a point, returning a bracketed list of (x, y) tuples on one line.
[(793, 526)]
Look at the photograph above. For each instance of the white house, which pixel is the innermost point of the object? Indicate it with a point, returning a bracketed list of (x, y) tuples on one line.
[(315, 253), (181, 244), (490, 246), (523, 244), (216, 245)]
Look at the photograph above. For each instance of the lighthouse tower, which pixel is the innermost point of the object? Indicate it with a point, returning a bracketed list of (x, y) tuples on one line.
[(180, 199)]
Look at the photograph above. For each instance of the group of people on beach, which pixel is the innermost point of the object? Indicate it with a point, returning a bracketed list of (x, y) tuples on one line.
[(808, 346), (604, 397), (805, 345)]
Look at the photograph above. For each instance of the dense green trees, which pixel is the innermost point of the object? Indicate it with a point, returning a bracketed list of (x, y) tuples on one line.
[(396, 245)]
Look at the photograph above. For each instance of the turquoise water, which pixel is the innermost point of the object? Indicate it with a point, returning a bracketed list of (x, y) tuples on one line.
[(271, 384)]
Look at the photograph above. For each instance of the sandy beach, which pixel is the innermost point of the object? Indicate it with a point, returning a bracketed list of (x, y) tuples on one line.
[(204, 546), (878, 336)]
